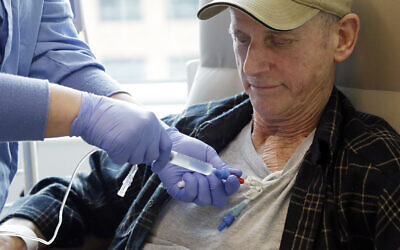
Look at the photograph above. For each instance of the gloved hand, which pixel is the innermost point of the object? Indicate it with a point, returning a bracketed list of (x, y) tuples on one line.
[(200, 189), (126, 132)]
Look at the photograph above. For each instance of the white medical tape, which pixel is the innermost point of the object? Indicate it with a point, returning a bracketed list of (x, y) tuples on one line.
[(22, 231)]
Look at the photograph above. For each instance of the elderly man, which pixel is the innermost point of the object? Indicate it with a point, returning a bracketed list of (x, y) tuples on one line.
[(319, 174)]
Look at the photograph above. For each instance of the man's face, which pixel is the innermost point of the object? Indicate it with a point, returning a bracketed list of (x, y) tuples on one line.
[(284, 72)]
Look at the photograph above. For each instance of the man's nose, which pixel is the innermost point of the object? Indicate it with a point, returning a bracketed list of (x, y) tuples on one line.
[(258, 59)]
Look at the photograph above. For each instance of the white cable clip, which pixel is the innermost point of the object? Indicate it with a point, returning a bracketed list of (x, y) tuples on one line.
[(126, 183)]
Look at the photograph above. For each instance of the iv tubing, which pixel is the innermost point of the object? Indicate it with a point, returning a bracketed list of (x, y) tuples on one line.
[(61, 208)]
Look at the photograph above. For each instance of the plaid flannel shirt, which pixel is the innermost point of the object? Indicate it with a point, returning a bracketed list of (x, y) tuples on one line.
[(346, 195)]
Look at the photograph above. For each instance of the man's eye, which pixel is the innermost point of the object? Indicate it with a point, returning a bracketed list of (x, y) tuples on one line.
[(279, 42), (243, 41), (240, 39), (282, 42)]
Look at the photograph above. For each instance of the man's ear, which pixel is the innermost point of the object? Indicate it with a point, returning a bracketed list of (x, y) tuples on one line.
[(348, 28)]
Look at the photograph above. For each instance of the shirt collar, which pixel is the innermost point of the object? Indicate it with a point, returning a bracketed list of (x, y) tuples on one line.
[(329, 128), (222, 129), (229, 116)]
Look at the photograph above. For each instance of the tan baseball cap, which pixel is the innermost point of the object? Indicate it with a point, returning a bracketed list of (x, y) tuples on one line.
[(278, 14)]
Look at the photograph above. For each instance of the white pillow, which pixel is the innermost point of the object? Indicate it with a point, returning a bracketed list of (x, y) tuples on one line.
[(213, 83)]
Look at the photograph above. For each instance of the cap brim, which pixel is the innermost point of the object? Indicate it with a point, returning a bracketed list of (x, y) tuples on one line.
[(276, 14)]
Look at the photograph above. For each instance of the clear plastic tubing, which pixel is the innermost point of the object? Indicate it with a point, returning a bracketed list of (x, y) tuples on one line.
[(191, 163)]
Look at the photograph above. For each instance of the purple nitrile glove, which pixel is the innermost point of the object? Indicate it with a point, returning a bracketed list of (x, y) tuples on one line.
[(128, 133), (200, 189)]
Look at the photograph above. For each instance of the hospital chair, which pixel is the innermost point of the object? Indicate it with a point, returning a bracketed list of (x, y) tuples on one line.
[(213, 76), (371, 77)]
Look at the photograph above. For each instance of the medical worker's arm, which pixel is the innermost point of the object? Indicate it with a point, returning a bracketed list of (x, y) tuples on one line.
[(126, 131), (34, 109), (23, 108), (61, 57)]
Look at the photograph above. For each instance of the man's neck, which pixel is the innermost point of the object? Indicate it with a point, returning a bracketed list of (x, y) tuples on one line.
[(275, 140)]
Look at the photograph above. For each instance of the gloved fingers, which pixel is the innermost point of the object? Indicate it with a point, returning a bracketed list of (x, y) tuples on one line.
[(173, 134), (213, 158), (218, 195), (164, 150), (152, 152), (218, 163), (165, 141), (221, 174), (119, 155), (187, 193), (203, 196), (157, 166), (232, 170), (231, 185), (119, 150), (170, 174), (143, 139), (138, 151)]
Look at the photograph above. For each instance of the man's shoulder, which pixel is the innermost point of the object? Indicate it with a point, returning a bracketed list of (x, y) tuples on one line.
[(373, 140), (366, 173)]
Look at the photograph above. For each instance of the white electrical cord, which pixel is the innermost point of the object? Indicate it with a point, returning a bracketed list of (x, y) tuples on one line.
[(61, 209)]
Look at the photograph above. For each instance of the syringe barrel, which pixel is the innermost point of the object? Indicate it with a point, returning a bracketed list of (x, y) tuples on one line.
[(191, 163)]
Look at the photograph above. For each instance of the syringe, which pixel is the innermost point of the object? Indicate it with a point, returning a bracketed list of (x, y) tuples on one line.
[(198, 166), (191, 163), (180, 160)]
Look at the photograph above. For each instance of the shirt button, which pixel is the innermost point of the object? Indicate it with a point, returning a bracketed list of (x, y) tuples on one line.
[(150, 203)]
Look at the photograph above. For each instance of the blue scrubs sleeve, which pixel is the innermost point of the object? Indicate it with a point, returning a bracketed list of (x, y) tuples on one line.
[(61, 57), (92, 80), (23, 113), (24, 104)]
